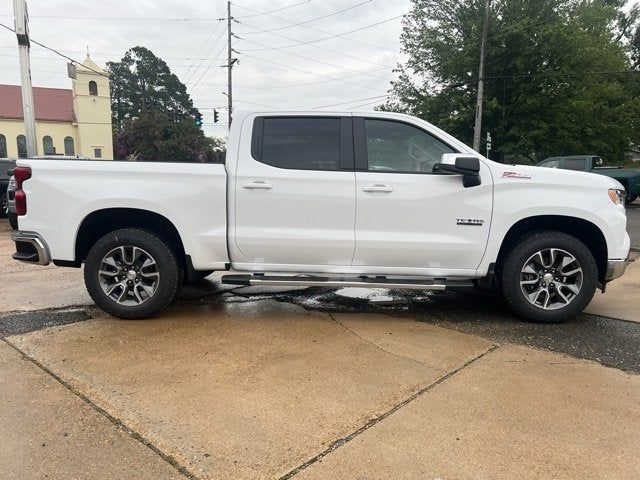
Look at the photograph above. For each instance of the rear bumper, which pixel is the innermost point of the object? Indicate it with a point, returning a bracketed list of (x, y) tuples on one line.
[(616, 268), (31, 248)]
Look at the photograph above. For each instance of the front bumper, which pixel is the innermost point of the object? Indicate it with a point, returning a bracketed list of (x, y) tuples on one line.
[(615, 269), (31, 248)]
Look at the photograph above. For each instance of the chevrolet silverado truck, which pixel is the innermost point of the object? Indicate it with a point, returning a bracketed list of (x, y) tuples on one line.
[(630, 179), (326, 199)]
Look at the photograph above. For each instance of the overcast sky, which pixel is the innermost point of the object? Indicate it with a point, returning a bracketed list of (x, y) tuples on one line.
[(188, 36)]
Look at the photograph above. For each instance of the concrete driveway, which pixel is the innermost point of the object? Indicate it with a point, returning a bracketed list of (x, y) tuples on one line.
[(259, 383)]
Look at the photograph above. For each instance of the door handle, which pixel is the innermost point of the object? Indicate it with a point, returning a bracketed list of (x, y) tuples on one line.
[(257, 185), (377, 188)]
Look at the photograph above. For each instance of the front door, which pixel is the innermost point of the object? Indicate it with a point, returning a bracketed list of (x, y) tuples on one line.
[(295, 194), (408, 216)]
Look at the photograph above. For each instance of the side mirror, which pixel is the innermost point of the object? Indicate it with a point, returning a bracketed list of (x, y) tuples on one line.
[(468, 167)]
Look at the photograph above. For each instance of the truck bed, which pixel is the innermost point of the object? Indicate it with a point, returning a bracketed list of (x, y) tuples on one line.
[(192, 196)]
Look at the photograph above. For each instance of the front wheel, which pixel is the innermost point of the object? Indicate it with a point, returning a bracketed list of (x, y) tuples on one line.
[(4, 209), (132, 273), (549, 277), (631, 198)]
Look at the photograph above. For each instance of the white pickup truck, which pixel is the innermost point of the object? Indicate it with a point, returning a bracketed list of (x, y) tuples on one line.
[(327, 199)]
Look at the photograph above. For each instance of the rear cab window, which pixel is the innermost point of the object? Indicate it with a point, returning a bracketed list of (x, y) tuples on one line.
[(302, 143), (578, 164)]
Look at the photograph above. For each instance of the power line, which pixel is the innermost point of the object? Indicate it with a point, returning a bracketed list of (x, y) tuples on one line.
[(304, 25), (310, 42), (294, 85), (57, 52), (204, 45), (310, 73), (351, 101), (315, 60), (271, 11), (363, 105), (119, 19), (305, 43)]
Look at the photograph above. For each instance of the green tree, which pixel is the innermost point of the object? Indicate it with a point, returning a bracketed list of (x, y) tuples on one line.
[(153, 136), (558, 75), (142, 81)]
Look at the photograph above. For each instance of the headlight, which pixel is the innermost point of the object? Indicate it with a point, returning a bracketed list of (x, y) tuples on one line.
[(617, 196)]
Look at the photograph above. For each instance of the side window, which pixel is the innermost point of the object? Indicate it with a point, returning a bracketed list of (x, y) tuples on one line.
[(97, 152), (47, 145), (3, 146), (69, 147), (93, 88), (551, 164), (574, 164), (398, 147), (300, 143), (21, 142)]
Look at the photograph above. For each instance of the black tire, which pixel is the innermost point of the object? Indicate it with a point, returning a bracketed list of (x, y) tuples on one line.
[(631, 199), (516, 260), (4, 208), (169, 279), (13, 221)]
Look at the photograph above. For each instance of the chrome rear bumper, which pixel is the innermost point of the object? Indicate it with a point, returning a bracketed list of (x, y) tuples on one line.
[(30, 248), (616, 268)]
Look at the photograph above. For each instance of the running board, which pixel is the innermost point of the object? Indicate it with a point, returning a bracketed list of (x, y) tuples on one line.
[(366, 282)]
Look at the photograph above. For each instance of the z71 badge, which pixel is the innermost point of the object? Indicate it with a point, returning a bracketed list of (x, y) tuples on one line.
[(474, 222)]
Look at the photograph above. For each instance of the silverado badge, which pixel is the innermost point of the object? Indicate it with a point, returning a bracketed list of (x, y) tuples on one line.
[(474, 222)]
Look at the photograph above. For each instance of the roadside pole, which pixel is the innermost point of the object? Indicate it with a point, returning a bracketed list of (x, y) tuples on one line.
[(477, 130), (229, 64), (22, 32)]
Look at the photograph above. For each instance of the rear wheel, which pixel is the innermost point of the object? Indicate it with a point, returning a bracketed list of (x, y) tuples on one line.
[(132, 273), (549, 277)]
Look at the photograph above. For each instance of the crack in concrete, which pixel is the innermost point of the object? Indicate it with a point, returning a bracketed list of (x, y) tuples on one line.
[(375, 345), (119, 424), (374, 421)]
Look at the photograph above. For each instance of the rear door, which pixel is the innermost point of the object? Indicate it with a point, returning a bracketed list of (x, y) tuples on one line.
[(409, 217), (295, 193)]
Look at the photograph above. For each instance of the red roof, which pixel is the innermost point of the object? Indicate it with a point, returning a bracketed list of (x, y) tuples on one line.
[(51, 104)]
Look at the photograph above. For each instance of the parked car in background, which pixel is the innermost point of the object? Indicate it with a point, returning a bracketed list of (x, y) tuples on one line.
[(630, 179), (11, 202), (5, 166)]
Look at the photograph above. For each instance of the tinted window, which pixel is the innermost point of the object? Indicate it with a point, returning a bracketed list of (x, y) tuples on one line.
[(301, 143), (574, 164), (398, 147), (551, 164)]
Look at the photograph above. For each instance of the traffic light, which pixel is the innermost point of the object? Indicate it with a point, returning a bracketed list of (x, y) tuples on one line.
[(199, 119), (216, 116)]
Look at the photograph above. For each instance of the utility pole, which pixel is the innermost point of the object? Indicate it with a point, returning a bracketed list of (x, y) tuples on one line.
[(22, 32), (230, 62), (477, 130)]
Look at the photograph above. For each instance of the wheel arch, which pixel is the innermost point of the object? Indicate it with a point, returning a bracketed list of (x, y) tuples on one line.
[(584, 230), (100, 222)]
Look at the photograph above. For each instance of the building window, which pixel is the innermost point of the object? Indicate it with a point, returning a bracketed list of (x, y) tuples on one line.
[(97, 152), (69, 147), (22, 146), (93, 88), (47, 145), (3, 146)]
